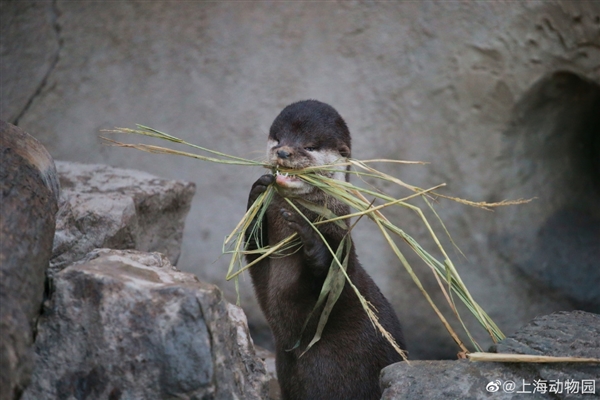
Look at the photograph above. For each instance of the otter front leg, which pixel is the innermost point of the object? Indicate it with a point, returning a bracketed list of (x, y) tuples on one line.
[(316, 253)]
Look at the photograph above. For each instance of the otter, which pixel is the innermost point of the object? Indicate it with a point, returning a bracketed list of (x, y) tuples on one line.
[(346, 362)]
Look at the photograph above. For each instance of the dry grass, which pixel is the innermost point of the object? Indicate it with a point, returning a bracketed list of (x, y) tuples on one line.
[(443, 269)]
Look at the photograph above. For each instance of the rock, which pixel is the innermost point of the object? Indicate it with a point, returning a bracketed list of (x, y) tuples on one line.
[(574, 334), (29, 201), (441, 380), (35, 22), (269, 359), (105, 207), (128, 325)]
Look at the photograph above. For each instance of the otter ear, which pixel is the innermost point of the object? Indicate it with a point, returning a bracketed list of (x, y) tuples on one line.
[(344, 150)]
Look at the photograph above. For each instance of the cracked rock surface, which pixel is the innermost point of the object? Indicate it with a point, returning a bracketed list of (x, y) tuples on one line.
[(37, 24), (116, 208)]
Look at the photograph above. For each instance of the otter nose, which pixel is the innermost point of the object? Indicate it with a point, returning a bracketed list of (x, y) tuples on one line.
[(283, 154)]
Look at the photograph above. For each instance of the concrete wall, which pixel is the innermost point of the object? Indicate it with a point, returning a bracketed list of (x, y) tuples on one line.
[(470, 87)]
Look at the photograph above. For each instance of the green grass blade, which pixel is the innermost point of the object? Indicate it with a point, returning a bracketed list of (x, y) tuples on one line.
[(337, 285)]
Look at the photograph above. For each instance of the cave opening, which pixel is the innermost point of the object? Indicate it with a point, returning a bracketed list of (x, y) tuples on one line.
[(553, 153)]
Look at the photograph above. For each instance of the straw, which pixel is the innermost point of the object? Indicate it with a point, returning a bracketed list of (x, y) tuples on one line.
[(354, 196)]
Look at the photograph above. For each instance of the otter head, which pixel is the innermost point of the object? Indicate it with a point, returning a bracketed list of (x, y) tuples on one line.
[(305, 134)]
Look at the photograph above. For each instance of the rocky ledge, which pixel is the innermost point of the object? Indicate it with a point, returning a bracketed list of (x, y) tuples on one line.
[(562, 334)]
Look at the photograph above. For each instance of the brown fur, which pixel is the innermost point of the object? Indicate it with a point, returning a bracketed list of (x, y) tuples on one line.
[(346, 362)]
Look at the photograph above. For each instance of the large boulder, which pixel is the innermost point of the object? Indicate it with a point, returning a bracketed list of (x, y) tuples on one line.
[(28, 203), (562, 334), (128, 325), (106, 207)]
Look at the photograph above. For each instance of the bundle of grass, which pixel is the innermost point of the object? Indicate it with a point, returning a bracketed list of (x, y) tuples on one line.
[(356, 198)]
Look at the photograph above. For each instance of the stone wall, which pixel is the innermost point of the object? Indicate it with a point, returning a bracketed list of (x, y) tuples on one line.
[(497, 96)]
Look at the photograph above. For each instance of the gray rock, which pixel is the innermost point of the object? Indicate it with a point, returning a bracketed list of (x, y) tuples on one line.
[(269, 359), (105, 207), (442, 380), (28, 204), (128, 325), (574, 334)]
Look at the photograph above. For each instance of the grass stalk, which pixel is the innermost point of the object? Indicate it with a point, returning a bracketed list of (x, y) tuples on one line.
[(444, 270)]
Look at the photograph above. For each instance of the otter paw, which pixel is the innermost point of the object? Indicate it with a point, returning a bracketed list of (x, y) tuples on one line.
[(317, 256), (297, 223), (259, 187), (292, 218)]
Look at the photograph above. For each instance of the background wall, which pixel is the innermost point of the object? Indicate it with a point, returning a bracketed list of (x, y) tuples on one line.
[(502, 98)]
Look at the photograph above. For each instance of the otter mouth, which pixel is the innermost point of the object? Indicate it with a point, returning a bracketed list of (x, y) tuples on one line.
[(288, 181)]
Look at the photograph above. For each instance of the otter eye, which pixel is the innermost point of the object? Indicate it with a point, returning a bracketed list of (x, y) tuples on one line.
[(310, 148)]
